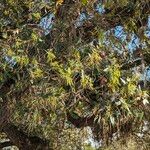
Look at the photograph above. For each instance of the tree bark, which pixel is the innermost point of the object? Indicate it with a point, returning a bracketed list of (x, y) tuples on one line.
[(6, 144), (24, 141)]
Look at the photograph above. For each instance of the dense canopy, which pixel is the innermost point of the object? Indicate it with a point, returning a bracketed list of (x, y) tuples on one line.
[(70, 64)]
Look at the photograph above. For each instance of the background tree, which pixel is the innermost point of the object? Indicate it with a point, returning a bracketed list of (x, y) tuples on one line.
[(81, 72)]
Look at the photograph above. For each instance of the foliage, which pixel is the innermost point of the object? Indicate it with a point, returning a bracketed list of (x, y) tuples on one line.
[(76, 75)]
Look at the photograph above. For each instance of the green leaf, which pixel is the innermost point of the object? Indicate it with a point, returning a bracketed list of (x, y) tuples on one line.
[(86, 81), (50, 56), (37, 15), (34, 36), (37, 73), (84, 2)]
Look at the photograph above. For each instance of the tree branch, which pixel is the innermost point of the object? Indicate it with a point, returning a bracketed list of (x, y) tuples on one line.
[(22, 140), (6, 144)]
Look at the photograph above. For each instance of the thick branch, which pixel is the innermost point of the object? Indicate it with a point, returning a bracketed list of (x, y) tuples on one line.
[(22, 140), (6, 144)]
